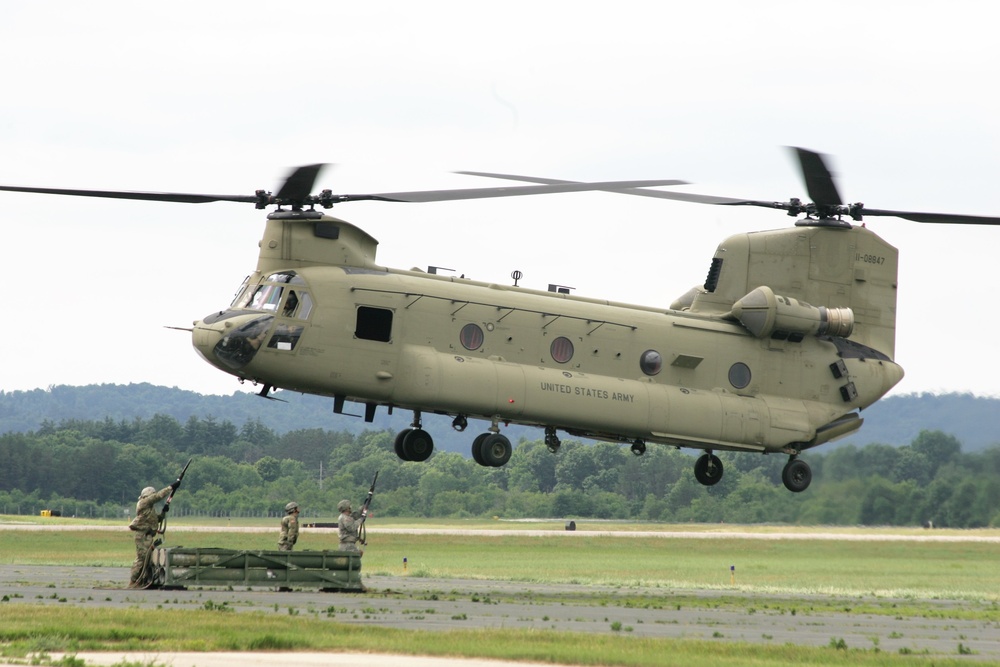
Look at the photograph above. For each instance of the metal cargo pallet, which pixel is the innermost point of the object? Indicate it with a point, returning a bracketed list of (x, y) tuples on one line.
[(179, 567)]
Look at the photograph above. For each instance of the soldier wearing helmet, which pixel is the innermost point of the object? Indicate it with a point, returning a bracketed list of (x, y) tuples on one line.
[(289, 527), (144, 525), (348, 526)]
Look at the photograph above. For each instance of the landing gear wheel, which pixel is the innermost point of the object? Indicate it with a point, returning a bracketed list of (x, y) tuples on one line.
[(495, 450), (477, 448), (796, 475), (417, 445), (638, 447), (397, 445), (708, 469)]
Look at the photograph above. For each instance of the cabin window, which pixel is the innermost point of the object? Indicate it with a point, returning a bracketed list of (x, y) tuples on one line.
[(471, 337), (651, 362), (739, 375), (561, 349), (374, 324)]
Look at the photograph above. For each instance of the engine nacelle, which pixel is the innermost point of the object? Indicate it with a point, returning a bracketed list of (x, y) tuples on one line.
[(765, 313)]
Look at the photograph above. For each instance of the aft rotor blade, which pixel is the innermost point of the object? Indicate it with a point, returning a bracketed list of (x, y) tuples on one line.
[(941, 218), (634, 190), (819, 181)]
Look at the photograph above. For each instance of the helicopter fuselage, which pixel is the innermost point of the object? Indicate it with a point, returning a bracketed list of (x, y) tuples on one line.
[(600, 369)]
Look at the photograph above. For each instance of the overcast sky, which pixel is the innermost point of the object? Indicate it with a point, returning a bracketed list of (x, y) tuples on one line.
[(225, 97)]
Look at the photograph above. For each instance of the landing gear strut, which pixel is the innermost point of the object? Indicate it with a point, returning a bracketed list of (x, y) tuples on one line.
[(551, 439)]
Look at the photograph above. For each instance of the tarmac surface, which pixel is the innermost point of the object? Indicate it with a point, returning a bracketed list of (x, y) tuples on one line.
[(419, 603)]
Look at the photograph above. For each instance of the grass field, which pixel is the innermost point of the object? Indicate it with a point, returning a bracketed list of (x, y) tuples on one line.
[(850, 566), (893, 577)]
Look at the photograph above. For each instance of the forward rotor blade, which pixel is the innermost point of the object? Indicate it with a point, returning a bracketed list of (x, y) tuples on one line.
[(482, 193), (819, 181), (302, 179), (180, 197), (299, 184)]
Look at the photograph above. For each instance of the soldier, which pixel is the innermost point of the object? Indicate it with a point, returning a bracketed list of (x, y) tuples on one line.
[(145, 523), (348, 527), (289, 527)]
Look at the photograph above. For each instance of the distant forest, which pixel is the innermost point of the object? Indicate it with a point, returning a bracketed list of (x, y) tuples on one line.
[(95, 467), (896, 420)]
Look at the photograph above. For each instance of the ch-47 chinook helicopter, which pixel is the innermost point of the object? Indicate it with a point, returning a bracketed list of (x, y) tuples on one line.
[(791, 335)]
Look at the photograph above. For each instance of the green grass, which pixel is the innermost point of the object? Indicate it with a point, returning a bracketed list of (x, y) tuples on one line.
[(31, 629), (886, 569), (904, 579)]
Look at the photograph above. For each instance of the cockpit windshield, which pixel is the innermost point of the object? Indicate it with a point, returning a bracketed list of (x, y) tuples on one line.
[(271, 295), (266, 297)]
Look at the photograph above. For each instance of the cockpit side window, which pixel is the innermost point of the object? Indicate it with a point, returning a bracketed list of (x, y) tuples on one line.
[(305, 305), (242, 294), (298, 304)]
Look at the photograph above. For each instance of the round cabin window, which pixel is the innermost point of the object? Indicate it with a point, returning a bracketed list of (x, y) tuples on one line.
[(471, 337), (651, 362), (561, 349), (739, 375)]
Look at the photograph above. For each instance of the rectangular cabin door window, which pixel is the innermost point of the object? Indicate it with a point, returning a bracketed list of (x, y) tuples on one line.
[(374, 324)]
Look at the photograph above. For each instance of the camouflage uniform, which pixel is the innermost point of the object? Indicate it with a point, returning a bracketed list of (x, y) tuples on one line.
[(144, 524), (289, 529), (348, 527)]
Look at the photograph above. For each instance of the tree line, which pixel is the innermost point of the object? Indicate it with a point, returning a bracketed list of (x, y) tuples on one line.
[(97, 468)]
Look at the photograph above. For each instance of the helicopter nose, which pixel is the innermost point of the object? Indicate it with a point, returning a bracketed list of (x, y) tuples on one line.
[(229, 340)]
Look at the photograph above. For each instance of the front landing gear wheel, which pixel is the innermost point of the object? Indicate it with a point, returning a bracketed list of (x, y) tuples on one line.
[(413, 444), (708, 469), (418, 445), (796, 475), (638, 447)]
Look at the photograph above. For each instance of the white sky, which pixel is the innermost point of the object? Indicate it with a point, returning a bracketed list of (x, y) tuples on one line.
[(225, 97)]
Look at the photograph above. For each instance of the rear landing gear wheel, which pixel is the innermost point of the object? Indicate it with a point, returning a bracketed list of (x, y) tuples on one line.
[(708, 469), (796, 475), (638, 447)]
